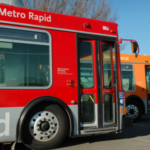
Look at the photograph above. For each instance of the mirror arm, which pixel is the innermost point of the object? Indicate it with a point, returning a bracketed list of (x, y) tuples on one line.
[(120, 41)]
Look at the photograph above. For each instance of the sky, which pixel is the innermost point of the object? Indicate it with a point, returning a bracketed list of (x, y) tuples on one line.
[(134, 23)]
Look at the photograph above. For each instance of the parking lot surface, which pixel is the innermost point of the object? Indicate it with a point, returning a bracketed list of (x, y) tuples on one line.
[(135, 138)]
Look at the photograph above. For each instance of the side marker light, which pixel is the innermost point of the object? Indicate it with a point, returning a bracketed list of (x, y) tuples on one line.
[(120, 110), (125, 110)]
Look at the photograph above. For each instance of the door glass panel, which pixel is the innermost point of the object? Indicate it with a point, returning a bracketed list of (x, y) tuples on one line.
[(107, 70), (86, 64), (114, 64), (148, 85), (87, 108), (108, 103), (148, 78), (148, 97)]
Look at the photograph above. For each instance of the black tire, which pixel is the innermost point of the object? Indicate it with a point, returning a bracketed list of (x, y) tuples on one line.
[(35, 144), (130, 113), (1, 146)]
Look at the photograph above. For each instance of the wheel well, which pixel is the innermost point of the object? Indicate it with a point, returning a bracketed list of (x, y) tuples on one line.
[(69, 119), (45, 101), (64, 109), (137, 99)]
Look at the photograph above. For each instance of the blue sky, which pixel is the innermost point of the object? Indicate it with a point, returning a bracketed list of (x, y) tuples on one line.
[(134, 23)]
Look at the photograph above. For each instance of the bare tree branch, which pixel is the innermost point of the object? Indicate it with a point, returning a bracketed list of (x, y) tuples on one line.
[(122, 46), (95, 9)]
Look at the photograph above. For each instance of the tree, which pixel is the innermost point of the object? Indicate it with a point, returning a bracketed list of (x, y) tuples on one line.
[(95, 9)]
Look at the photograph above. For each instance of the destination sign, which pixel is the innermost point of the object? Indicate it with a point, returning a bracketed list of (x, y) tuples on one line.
[(22, 15)]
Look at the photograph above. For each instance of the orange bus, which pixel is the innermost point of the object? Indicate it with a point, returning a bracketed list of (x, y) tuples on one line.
[(136, 84)]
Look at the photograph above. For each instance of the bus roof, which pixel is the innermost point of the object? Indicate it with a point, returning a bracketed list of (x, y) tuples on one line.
[(41, 19)]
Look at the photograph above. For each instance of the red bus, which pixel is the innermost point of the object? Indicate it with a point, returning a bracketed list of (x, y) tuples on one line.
[(55, 80)]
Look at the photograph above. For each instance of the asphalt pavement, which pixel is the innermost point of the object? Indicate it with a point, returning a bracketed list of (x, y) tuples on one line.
[(135, 138)]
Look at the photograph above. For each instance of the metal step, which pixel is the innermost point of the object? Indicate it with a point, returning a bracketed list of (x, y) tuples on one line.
[(98, 131)]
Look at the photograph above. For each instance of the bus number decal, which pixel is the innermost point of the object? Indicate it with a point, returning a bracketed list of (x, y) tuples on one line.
[(6, 123)]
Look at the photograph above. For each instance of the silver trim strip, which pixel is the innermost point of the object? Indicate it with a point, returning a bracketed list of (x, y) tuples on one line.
[(98, 131), (60, 29), (9, 117), (36, 43), (74, 110), (24, 42), (145, 102), (121, 116)]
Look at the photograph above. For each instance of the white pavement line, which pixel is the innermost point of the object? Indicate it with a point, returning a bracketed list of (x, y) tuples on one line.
[(140, 125)]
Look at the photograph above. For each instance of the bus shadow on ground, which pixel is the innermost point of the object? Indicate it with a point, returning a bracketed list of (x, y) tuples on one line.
[(142, 128), (145, 120)]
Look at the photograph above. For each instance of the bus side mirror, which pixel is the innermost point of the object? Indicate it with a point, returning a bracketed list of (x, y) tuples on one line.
[(134, 47)]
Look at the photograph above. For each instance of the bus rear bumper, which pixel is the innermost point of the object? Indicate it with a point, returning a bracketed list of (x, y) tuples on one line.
[(127, 122)]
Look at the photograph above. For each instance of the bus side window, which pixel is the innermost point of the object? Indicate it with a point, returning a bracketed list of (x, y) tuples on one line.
[(24, 59), (127, 72)]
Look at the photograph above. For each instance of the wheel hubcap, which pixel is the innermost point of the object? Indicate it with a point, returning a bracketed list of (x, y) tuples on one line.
[(132, 111), (43, 126)]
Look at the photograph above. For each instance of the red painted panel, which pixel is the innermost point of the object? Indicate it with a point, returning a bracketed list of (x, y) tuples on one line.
[(64, 53), (22, 16), (64, 56), (94, 89)]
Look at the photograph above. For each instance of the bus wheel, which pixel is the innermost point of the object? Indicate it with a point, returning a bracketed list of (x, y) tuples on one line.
[(1, 146), (134, 110), (45, 127)]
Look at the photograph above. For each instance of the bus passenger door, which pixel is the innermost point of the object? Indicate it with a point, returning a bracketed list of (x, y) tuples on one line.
[(108, 85), (87, 84), (97, 102), (148, 87)]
